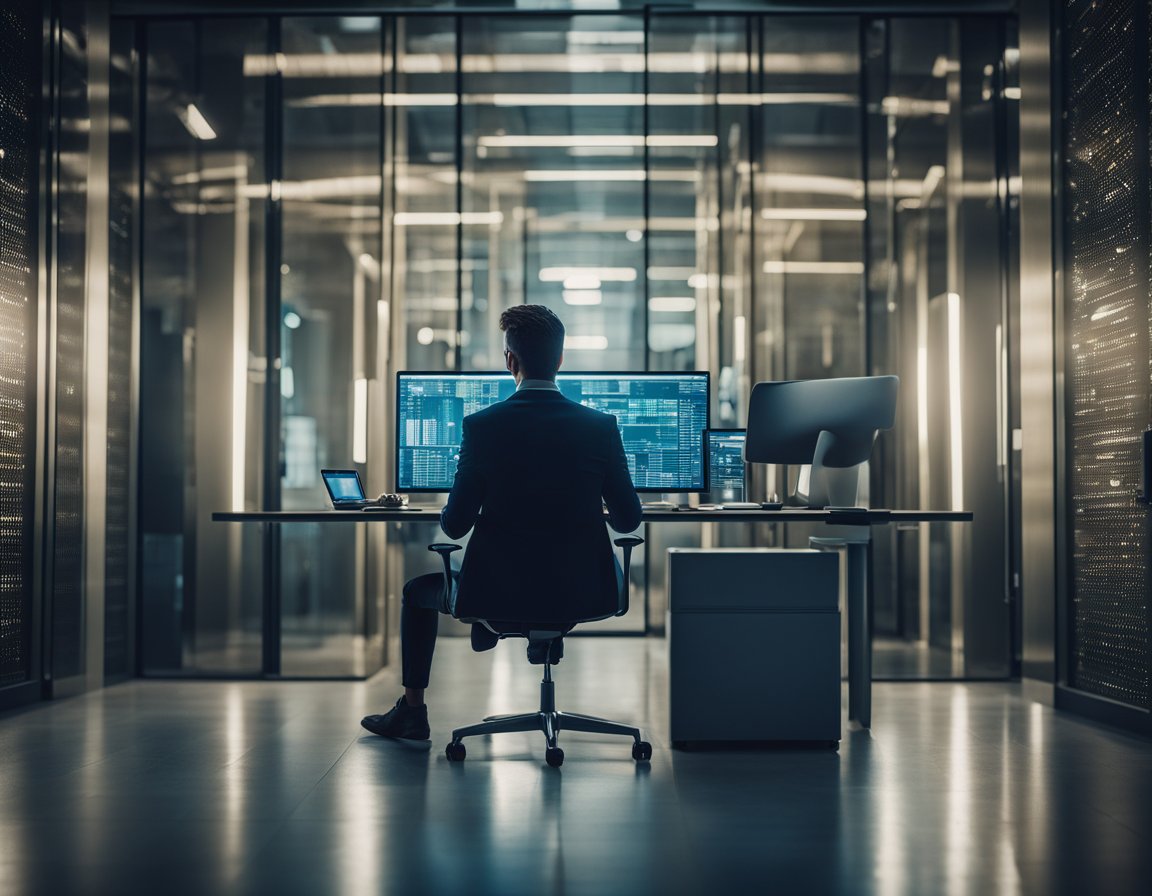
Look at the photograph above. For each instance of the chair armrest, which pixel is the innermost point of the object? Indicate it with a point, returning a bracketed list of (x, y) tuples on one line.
[(626, 543), (445, 550)]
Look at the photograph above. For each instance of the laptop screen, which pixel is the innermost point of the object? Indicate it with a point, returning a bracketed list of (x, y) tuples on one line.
[(343, 485)]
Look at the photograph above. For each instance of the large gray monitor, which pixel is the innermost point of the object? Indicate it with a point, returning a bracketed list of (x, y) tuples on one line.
[(827, 426)]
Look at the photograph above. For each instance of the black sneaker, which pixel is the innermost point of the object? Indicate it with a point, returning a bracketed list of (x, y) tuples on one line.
[(403, 723)]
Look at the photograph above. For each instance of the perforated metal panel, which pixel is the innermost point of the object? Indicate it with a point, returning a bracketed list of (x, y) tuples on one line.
[(18, 170), (71, 246), (116, 554), (1107, 326)]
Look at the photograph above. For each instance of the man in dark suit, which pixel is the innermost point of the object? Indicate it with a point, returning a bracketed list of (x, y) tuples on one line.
[(532, 473)]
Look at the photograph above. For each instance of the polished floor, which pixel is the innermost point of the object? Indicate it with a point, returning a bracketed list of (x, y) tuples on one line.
[(272, 787)]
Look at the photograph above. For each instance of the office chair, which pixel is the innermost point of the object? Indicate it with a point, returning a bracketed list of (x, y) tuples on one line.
[(545, 647)]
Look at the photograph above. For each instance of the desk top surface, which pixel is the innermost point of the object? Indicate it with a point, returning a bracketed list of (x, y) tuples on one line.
[(877, 516)]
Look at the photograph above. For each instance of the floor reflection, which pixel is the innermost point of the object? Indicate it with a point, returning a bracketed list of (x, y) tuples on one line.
[(260, 787)]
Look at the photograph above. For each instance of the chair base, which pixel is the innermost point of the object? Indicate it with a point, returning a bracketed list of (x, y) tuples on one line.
[(551, 722)]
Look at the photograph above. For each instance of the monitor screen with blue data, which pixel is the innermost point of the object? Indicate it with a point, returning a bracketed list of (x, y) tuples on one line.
[(727, 472), (662, 419)]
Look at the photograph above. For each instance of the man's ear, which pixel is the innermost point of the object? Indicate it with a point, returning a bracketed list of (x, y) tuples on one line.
[(512, 363), (560, 361)]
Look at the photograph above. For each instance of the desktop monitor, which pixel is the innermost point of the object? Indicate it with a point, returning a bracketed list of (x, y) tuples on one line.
[(662, 419), (727, 479), (827, 426)]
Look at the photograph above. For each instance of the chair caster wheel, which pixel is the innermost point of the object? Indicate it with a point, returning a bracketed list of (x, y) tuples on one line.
[(642, 751), (554, 756), (455, 752)]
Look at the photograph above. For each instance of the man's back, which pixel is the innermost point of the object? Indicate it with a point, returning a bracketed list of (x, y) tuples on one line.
[(532, 473)]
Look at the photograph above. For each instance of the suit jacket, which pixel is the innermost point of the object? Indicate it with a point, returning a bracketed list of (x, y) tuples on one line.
[(532, 473)]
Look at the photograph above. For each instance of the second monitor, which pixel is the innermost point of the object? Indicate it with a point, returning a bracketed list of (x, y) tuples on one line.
[(662, 418), (727, 472)]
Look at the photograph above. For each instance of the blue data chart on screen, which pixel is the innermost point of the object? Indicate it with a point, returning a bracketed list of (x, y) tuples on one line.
[(662, 418), (726, 471), (430, 412)]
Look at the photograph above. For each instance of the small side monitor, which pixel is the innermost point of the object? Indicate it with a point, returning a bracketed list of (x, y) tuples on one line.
[(727, 472)]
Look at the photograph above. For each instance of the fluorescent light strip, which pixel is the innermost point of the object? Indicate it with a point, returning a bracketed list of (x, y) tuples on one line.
[(555, 140), (449, 219), (560, 274), (547, 176), (586, 343), (812, 183), (582, 296), (814, 267), (813, 214), (582, 281), (603, 175), (543, 141), (660, 99), (361, 65), (324, 100), (554, 99), (672, 304), (912, 106), (571, 99), (682, 140)]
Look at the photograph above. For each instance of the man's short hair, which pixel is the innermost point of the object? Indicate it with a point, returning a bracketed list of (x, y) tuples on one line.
[(535, 335)]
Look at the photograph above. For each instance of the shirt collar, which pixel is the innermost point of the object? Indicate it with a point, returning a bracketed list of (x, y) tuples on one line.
[(547, 385)]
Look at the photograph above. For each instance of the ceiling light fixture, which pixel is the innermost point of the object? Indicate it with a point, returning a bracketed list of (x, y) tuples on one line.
[(197, 125), (445, 219), (614, 275), (813, 214), (814, 267), (582, 296), (586, 343), (672, 304), (582, 281)]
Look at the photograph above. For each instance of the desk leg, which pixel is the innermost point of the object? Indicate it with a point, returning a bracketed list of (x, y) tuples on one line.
[(859, 637), (271, 634)]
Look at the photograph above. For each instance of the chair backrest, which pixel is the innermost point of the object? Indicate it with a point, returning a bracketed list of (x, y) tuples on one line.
[(564, 574)]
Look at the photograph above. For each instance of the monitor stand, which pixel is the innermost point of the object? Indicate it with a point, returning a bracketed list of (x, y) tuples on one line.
[(824, 486)]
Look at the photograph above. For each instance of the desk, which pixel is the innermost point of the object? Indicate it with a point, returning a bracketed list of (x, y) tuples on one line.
[(859, 630)]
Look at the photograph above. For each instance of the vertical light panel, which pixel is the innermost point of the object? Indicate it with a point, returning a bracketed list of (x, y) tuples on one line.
[(360, 420), (955, 408), (240, 301)]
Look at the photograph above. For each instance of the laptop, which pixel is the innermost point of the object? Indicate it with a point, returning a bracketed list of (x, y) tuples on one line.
[(345, 489)]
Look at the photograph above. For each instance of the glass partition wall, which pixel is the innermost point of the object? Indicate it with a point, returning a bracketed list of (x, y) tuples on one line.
[(331, 199)]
